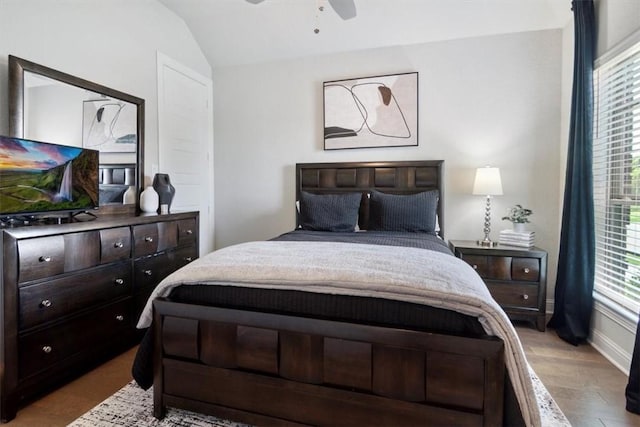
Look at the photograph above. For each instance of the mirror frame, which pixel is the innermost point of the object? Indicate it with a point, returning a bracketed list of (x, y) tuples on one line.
[(17, 67)]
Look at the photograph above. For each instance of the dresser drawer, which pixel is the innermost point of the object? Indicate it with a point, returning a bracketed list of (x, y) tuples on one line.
[(115, 244), (183, 256), (53, 299), (526, 269), (39, 351), (151, 270), (145, 239), (514, 295), (187, 232), (40, 257), (167, 235), (81, 250)]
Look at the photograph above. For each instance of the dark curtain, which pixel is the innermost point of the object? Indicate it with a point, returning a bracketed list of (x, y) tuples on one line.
[(633, 388), (576, 261)]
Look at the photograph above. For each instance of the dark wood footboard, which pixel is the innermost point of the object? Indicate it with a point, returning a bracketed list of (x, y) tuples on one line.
[(263, 368)]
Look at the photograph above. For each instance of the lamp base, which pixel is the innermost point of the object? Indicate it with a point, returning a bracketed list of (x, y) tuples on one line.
[(487, 243)]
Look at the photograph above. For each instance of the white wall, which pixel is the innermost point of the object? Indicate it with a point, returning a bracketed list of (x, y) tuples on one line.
[(489, 100), (613, 334), (615, 21), (50, 105), (113, 43)]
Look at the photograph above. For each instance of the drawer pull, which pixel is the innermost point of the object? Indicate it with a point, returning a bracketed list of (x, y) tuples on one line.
[(119, 281), (45, 303), (188, 259), (119, 317), (526, 270), (189, 232), (44, 258), (525, 297), (118, 245), (475, 266), (47, 349), (147, 272), (148, 239)]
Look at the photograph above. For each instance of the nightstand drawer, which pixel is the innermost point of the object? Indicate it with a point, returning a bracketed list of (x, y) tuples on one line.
[(490, 267), (527, 269), (510, 295), (505, 268), (478, 263)]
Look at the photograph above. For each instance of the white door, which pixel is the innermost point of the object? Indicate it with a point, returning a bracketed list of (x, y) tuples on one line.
[(185, 132)]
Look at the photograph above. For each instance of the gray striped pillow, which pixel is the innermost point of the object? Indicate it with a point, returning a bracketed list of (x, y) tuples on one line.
[(329, 212), (413, 212)]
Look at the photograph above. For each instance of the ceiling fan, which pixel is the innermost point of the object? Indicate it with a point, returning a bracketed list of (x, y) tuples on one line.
[(346, 9)]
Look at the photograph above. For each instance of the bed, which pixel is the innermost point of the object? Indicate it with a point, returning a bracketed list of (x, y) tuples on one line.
[(114, 180), (378, 325)]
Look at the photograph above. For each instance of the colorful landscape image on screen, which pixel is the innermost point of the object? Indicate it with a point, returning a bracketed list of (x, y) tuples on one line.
[(42, 177)]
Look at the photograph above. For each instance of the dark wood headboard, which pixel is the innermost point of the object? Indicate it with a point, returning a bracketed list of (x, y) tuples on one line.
[(402, 177)]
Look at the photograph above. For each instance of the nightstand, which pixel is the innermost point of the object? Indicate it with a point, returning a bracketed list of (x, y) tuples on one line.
[(516, 277)]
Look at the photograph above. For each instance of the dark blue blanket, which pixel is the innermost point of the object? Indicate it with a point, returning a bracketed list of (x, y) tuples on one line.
[(388, 238)]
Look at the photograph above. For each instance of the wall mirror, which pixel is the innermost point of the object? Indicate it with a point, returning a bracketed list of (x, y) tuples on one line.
[(51, 106)]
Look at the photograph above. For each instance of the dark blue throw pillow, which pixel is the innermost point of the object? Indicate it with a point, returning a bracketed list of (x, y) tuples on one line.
[(329, 212), (412, 212)]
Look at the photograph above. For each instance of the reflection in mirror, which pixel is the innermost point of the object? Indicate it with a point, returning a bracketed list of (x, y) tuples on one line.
[(47, 105)]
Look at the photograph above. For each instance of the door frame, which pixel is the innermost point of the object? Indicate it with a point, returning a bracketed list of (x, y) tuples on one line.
[(207, 243)]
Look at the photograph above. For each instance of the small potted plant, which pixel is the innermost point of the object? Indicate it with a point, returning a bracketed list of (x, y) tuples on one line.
[(518, 216)]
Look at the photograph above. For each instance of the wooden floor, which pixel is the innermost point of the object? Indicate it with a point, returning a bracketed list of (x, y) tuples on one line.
[(67, 403), (586, 386)]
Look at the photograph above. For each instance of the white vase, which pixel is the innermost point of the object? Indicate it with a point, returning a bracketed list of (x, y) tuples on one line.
[(149, 200), (519, 227), (129, 196)]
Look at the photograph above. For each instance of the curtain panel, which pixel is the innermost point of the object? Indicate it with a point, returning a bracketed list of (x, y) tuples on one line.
[(576, 262)]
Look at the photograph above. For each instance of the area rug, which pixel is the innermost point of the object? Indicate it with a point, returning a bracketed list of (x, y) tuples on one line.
[(131, 406)]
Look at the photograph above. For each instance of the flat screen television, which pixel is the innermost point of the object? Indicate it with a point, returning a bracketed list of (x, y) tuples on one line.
[(40, 177)]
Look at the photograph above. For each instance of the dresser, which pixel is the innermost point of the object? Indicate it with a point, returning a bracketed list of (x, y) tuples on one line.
[(516, 277), (72, 294)]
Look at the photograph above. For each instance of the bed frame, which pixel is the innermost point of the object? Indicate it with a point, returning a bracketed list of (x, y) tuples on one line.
[(275, 369)]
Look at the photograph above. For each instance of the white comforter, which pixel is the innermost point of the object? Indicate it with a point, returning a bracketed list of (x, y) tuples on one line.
[(405, 274)]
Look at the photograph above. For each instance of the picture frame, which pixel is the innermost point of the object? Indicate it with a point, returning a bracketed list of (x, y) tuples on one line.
[(109, 125), (370, 112)]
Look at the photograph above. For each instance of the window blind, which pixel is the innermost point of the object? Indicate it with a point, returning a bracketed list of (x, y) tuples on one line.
[(616, 172)]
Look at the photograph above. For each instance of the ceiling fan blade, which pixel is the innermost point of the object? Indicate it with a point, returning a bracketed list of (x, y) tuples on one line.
[(346, 9), (255, 1)]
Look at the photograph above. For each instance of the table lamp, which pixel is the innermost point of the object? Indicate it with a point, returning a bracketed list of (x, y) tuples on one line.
[(487, 183)]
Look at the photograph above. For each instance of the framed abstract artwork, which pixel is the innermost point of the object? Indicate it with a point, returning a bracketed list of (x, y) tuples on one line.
[(379, 111), (109, 125)]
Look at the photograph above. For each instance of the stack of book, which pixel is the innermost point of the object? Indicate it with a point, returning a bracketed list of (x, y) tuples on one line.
[(525, 239)]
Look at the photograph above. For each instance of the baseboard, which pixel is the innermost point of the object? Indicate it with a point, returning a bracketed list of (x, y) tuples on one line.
[(550, 306), (611, 351), (612, 334), (601, 342)]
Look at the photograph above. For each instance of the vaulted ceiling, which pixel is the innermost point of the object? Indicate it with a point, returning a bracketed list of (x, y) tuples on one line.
[(233, 32)]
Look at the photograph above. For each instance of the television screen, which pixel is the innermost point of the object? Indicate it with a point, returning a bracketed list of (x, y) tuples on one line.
[(38, 177)]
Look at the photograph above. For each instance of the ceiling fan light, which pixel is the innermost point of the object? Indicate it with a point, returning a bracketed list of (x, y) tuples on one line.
[(346, 9)]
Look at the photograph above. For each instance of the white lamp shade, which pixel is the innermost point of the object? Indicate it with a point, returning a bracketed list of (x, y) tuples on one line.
[(487, 182)]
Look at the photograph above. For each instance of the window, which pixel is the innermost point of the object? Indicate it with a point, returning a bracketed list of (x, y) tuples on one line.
[(616, 170)]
